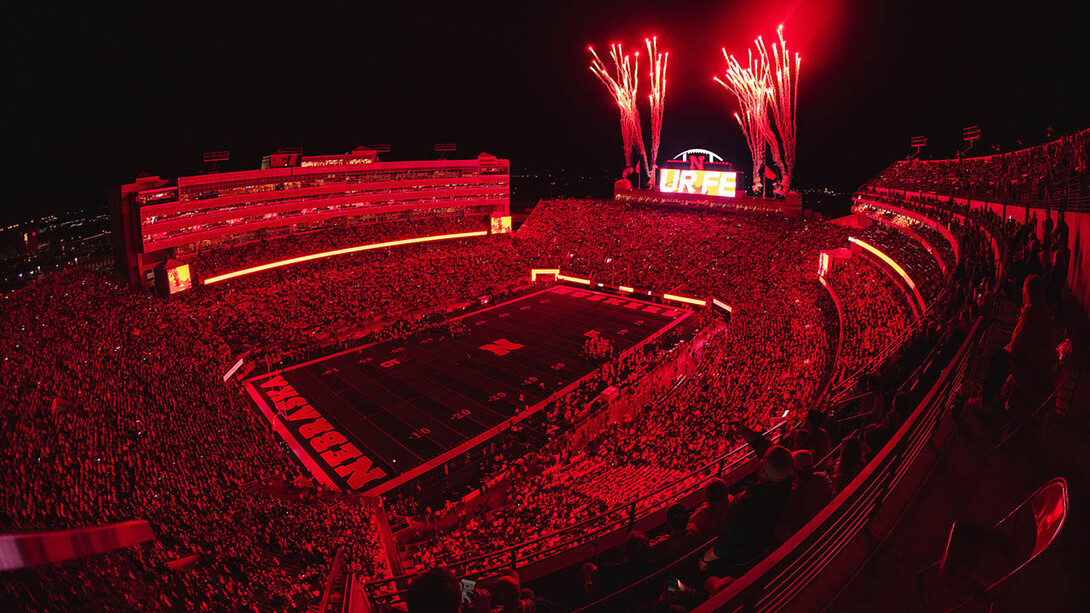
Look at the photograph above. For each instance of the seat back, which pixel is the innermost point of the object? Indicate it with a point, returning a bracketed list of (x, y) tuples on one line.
[(1050, 511), (1036, 522)]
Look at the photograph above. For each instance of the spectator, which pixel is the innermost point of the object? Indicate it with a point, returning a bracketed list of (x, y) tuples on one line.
[(815, 424), (707, 517), (434, 591), (1032, 353), (635, 565), (748, 529), (679, 541), (848, 464), (809, 495)]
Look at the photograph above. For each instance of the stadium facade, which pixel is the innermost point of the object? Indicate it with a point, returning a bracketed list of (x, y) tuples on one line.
[(157, 220)]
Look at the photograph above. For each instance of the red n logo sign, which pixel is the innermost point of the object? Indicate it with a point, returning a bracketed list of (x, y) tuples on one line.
[(501, 347), (696, 162)]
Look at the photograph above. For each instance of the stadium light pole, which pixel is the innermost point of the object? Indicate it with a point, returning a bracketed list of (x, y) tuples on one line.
[(969, 134), (444, 148), (917, 142), (211, 157)]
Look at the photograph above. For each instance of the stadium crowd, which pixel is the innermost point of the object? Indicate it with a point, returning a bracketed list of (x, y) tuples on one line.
[(1034, 250), (1038, 175), (138, 381), (766, 366), (386, 291), (921, 266), (266, 248), (932, 239), (874, 312), (112, 411)]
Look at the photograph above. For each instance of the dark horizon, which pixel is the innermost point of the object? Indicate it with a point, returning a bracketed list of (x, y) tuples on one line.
[(101, 95)]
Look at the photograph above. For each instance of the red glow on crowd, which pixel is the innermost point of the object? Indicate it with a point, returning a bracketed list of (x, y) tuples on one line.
[(885, 258)]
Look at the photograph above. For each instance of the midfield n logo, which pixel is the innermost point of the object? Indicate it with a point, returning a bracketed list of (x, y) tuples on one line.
[(501, 347)]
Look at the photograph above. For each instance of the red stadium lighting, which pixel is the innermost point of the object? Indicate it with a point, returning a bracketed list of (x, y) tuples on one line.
[(548, 272), (892, 264), (824, 263), (573, 279), (326, 254), (885, 258), (684, 299), (723, 305)]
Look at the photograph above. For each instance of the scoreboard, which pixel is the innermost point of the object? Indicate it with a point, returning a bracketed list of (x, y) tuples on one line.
[(171, 277), (178, 279), (716, 183)]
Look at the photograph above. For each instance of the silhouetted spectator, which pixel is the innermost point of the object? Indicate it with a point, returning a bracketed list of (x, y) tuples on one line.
[(708, 517), (1032, 352), (679, 541), (434, 591), (635, 565), (748, 529), (809, 495)]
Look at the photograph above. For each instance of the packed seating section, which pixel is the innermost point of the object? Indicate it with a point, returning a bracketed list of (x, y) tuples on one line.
[(147, 429)]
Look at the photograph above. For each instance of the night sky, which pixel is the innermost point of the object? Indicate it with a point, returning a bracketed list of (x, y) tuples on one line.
[(96, 95)]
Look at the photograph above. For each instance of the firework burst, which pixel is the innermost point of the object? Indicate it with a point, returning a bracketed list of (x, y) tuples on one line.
[(783, 100), (657, 97), (767, 93), (749, 85), (623, 86)]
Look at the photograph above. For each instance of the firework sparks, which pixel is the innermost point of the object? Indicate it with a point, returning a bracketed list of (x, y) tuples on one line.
[(783, 99), (623, 87), (657, 97), (749, 85), (768, 86)]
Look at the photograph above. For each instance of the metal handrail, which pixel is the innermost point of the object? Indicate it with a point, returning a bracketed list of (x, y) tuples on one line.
[(843, 387), (788, 570)]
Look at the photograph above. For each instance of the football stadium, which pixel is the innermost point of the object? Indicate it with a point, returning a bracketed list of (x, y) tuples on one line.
[(392, 380)]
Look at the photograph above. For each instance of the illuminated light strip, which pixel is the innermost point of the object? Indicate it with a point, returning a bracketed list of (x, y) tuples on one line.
[(534, 272), (885, 258), (573, 279), (326, 254), (685, 300), (894, 265), (623, 288), (723, 305), (233, 370)]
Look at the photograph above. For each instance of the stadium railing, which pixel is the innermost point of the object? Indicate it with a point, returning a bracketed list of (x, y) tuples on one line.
[(822, 556), (841, 389), (636, 597), (643, 595)]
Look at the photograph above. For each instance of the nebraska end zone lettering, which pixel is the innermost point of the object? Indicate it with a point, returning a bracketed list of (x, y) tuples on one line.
[(318, 438)]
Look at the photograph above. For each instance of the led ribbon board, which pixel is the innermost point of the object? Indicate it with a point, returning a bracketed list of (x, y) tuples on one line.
[(703, 182), (326, 254)]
